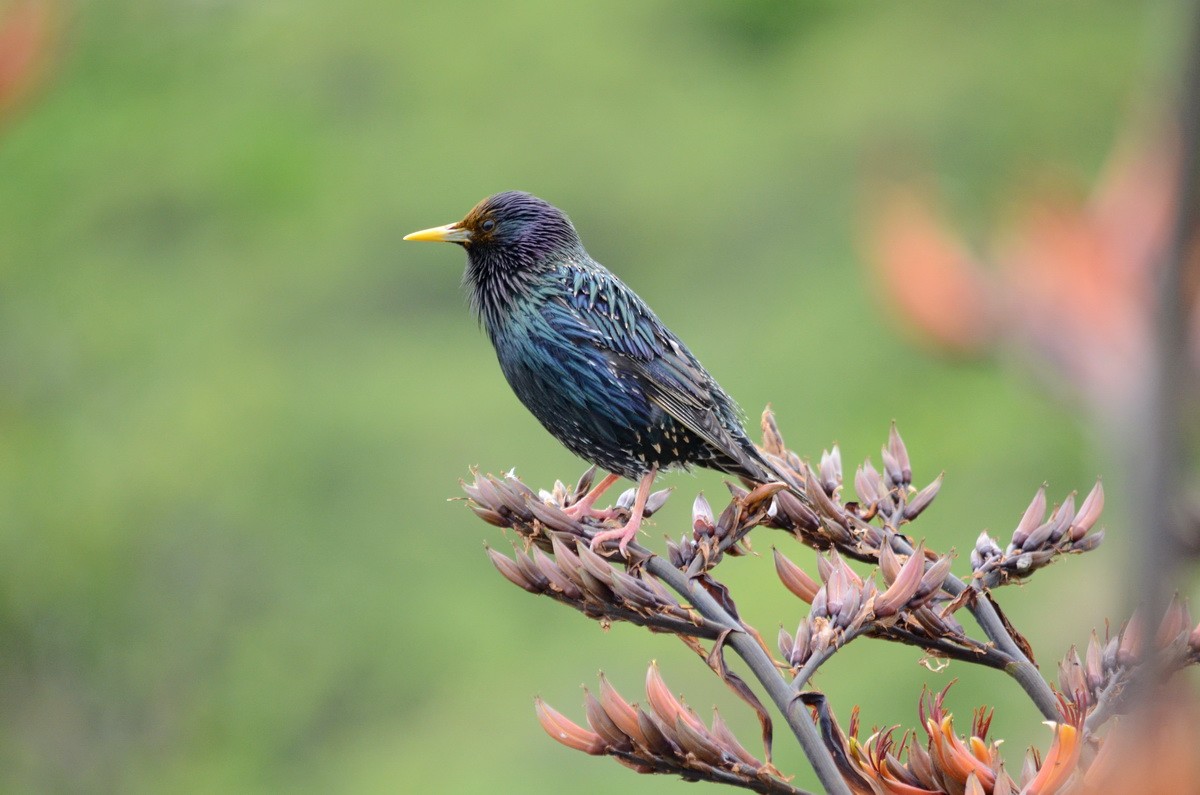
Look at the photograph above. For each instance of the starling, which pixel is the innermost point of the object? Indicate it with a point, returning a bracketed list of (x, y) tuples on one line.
[(589, 358)]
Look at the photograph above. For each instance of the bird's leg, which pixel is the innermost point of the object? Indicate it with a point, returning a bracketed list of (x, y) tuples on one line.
[(583, 508), (626, 534)]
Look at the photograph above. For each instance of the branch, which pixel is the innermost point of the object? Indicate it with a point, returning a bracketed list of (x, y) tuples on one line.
[(760, 664), (767, 786)]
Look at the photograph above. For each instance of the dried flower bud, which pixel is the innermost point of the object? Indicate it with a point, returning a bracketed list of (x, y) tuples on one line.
[(681, 554), (656, 501), (1129, 648), (511, 500), (787, 645), (517, 487), (729, 743), (489, 516), (665, 704), (889, 562), (899, 454), (794, 578), (1050, 530), (558, 581), (553, 517), (594, 564), (772, 438), (1071, 677), (1176, 621), (868, 484), (511, 571), (820, 500), (892, 474), (695, 740), (923, 499), (660, 739), (831, 470), (569, 734), (799, 514), (568, 563), (627, 499), (727, 519), (986, 550), (703, 522), (584, 484), (1088, 513), (904, 585), (838, 591), (921, 765), (1030, 519), (1088, 542), (1094, 665), (620, 711), (933, 578), (1062, 517), (603, 725)]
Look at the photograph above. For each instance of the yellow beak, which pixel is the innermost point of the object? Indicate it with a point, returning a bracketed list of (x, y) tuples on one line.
[(450, 233)]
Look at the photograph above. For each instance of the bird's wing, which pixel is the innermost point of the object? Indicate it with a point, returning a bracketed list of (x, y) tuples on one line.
[(599, 308)]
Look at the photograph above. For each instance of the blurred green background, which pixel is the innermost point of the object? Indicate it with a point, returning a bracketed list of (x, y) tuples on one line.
[(233, 404)]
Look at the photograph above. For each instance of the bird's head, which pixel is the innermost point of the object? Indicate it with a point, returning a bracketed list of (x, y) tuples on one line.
[(511, 239), (511, 230)]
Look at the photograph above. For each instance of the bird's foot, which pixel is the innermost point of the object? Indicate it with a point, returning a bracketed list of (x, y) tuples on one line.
[(622, 535), (629, 530), (584, 510), (578, 512)]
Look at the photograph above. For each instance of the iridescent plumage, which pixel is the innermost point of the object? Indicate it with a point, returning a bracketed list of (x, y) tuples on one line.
[(587, 356)]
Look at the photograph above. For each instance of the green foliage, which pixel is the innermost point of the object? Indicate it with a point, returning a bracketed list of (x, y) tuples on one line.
[(233, 404)]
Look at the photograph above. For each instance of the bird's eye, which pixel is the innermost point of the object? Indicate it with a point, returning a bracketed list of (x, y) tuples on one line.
[(488, 225)]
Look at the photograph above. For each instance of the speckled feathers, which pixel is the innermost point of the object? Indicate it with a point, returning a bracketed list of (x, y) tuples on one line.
[(587, 356)]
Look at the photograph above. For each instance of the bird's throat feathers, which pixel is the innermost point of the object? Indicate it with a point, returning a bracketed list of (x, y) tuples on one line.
[(497, 279)]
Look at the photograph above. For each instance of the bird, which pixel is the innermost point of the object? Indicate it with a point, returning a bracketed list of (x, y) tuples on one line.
[(590, 359)]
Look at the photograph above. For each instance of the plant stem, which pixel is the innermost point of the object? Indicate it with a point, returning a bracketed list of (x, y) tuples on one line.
[(766, 786), (763, 669), (1019, 667)]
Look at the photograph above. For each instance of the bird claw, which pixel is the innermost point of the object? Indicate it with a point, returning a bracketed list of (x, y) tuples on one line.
[(579, 512), (623, 534)]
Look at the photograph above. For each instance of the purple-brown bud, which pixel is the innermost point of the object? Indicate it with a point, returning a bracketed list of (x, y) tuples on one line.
[(566, 732), (620, 711), (772, 438), (1129, 647), (794, 578), (656, 501), (932, 579), (868, 484), (831, 470), (904, 585), (923, 499), (703, 521), (695, 740), (1030, 519), (1176, 621), (1088, 513), (820, 500), (511, 571), (604, 725), (899, 454), (725, 737)]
